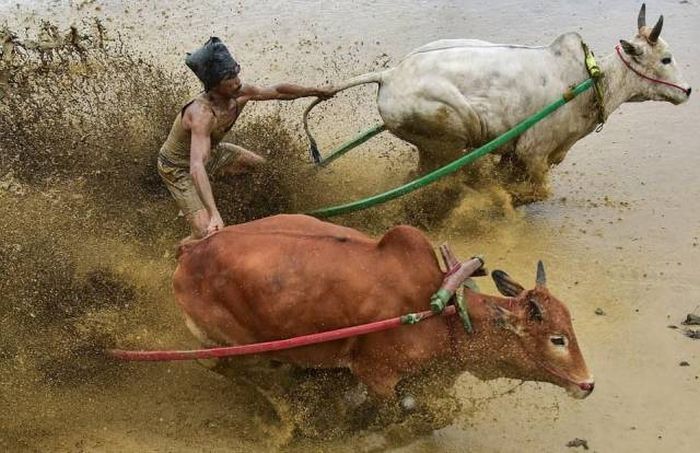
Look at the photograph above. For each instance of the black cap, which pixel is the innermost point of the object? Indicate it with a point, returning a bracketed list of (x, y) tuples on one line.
[(212, 63)]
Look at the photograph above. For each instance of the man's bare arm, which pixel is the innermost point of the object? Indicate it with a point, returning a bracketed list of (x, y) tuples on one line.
[(283, 91), (200, 121)]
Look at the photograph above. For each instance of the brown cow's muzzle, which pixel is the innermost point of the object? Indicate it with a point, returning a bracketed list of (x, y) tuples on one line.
[(581, 390)]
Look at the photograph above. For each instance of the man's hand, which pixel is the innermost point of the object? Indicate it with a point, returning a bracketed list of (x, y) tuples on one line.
[(215, 223)]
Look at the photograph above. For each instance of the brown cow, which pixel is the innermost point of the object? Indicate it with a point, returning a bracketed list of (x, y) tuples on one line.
[(290, 275)]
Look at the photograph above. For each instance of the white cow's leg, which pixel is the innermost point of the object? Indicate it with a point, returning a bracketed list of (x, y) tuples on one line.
[(433, 154), (512, 168), (528, 181), (437, 120)]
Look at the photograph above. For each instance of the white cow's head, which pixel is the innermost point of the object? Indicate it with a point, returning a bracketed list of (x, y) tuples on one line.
[(657, 75)]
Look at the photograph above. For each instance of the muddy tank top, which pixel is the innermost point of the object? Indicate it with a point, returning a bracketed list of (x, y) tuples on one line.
[(176, 149)]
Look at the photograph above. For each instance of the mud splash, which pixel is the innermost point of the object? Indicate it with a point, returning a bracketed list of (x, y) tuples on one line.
[(87, 235), (85, 256)]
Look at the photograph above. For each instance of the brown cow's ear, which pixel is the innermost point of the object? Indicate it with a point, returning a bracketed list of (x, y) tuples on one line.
[(535, 312), (505, 318), (506, 285)]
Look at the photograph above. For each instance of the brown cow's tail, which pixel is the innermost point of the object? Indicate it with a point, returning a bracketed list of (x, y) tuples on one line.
[(370, 77)]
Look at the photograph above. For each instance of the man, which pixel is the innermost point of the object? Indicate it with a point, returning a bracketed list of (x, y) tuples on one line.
[(193, 149)]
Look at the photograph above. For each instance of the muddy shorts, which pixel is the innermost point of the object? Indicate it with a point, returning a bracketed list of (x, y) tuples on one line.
[(179, 182)]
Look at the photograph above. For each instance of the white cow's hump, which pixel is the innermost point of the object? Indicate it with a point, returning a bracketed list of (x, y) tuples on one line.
[(567, 42)]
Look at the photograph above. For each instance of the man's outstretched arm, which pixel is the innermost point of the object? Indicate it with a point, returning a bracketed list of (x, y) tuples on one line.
[(283, 92)]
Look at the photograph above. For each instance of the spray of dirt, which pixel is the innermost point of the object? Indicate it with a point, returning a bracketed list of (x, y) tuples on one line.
[(85, 255), (87, 235)]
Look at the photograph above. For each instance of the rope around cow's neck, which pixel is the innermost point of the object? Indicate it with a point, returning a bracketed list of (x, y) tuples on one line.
[(596, 74)]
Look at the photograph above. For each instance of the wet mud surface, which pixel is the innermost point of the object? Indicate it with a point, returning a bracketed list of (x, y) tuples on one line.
[(88, 231)]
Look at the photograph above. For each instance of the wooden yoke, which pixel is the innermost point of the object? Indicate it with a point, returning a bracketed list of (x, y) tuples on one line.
[(456, 275), (449, 257)]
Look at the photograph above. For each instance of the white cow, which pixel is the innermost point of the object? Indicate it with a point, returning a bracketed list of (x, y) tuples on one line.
[(457, 94)]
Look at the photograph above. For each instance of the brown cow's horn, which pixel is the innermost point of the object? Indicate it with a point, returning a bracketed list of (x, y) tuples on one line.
[(642, 18), (656, 31), (541, 276)]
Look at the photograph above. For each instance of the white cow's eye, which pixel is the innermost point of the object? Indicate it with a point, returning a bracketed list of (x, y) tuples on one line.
[(558, 340), (666, 60)]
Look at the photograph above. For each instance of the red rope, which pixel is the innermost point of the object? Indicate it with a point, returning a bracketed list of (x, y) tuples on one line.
[(617, 48), (269, 346)]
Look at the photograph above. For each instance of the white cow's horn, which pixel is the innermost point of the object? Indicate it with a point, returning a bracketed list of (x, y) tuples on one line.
[(656, 31), (642, 18)]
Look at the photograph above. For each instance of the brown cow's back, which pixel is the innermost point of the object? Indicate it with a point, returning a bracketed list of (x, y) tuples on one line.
[(290, 275)]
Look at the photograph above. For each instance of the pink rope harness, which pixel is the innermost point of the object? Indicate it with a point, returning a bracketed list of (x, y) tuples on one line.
[(276, 345), (651, 79), (302, 340)]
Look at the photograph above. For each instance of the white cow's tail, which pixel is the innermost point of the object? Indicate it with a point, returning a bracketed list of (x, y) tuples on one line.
[(370, 77)]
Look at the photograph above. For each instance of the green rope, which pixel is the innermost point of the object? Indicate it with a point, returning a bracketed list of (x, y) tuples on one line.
[(457, 164), (354, 142), (439, 300), (410, 319), (463, 310)]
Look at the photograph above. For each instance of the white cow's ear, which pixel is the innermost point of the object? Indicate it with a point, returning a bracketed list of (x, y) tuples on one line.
[(631, 49)]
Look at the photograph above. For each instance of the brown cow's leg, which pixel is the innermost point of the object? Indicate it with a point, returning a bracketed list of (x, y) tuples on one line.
[(380, 380), (199, 333), (267, 380)]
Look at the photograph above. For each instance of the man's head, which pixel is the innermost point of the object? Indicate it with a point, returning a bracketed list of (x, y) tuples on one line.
[(215, 67)]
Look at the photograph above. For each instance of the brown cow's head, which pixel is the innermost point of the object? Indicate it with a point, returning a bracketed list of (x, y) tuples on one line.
[(650, 56), (540, 342)]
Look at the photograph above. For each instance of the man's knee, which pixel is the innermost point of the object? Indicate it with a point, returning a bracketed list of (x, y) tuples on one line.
[(252, 159), (244, 162)]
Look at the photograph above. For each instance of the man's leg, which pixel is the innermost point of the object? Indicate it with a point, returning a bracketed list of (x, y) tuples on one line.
[(181, 187), (241, 161)]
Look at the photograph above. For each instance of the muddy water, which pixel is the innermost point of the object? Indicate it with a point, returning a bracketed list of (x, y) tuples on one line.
[(620, 232)]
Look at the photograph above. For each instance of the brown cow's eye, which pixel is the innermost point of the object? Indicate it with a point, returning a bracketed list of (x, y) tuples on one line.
[(558, 341), (666, 60)]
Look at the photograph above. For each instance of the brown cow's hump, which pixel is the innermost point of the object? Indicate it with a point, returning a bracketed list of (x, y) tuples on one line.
[(405, 236)]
